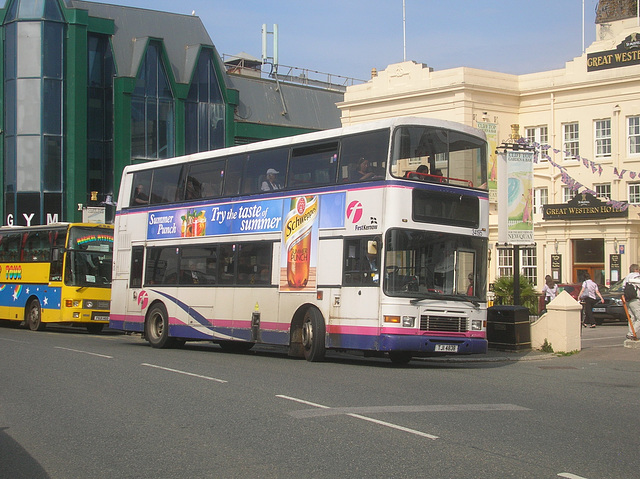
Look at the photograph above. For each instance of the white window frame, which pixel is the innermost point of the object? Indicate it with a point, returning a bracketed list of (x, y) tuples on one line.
[(634, 193), (540, 198), (539, 135), (602, 138), (571, 140), (505, 262), (633, 135), (528, 263), (603, 190), (568, 194)]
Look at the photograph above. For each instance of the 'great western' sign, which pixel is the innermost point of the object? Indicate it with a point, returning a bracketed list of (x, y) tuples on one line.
[(581, 207), (626, 53)]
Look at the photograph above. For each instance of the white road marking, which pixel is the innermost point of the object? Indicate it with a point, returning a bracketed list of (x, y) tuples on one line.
[(185, 373), (568, 475), (13, 340), (364, 418), (334, 411), (84, 352)]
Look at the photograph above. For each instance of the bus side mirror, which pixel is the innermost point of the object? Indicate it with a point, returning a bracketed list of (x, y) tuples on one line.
[(372, 247)]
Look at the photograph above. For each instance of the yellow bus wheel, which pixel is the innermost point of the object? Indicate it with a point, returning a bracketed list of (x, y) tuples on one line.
[(33, 315)]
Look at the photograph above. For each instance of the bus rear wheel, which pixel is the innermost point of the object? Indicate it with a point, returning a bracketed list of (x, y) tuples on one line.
[(313, 334), (33, 316), (156, 327)]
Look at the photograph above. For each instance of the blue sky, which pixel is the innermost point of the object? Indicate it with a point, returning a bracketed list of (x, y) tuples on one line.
[(349, 37)]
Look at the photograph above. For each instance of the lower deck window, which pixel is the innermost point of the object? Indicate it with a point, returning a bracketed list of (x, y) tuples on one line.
[(224, 264)]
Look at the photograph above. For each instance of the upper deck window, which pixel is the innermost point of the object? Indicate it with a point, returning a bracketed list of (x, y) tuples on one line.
[(313, 165), (437, 155), (372, 148)]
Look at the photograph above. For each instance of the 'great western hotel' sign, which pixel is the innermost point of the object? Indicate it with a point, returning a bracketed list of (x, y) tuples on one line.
[(626, 53), (583, 207)]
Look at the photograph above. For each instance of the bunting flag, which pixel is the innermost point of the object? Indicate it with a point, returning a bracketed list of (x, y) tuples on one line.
[(591, 165)]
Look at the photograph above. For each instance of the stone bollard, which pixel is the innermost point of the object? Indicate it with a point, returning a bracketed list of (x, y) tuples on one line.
[(560, 326)]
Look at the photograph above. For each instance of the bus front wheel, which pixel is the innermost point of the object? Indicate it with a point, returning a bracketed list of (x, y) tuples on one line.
[(313, 334), (156, 327), (33, 318)]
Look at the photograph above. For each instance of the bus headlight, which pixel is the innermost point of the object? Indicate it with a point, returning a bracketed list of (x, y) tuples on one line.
[(476, 325), (70, 303), (408, 321)]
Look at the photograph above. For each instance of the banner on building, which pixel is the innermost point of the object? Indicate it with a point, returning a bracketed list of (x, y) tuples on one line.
[(515, 208), (491, 130)]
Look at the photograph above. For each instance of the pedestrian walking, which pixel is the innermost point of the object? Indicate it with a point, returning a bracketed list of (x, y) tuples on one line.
[(631, 297), (588, 296)]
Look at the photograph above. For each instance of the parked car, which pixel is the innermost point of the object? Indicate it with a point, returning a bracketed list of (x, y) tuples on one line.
[(612, 307)]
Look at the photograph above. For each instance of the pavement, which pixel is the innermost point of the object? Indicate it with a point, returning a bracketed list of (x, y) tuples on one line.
[(494, 355), (606, 340)]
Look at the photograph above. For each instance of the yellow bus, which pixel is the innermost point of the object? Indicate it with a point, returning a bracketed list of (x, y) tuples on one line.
[(58, 273)]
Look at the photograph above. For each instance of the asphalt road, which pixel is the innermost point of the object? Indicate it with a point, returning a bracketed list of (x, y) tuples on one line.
[(75, 405)]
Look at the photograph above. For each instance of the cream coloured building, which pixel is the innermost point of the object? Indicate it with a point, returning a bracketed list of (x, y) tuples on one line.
[(587, 113)]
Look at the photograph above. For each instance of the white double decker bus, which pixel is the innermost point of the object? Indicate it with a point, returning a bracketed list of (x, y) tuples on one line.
[(371, 237)]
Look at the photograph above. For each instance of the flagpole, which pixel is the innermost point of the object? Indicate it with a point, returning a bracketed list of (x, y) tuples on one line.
[(404, 33), (583, 26)]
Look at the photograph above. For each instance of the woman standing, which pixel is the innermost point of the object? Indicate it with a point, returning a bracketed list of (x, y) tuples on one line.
[(550, 290), (588, 295)]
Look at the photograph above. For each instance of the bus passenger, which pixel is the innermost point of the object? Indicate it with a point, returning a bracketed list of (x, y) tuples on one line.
[(194, 189), (140, 197), (363, 170), (420, 174), (270, 183)]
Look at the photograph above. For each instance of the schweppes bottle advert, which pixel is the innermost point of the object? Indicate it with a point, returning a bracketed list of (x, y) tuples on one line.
[(299, 245)]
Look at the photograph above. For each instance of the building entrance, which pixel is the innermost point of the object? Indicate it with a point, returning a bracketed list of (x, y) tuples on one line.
[(588, 257)]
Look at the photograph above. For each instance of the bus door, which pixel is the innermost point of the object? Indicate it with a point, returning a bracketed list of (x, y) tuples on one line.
[(136, 299)]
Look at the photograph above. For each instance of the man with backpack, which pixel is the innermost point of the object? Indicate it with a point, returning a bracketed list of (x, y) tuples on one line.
[(630, 286)]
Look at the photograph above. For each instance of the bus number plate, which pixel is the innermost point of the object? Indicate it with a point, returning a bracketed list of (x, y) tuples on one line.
[(446, 348), (100, 317)]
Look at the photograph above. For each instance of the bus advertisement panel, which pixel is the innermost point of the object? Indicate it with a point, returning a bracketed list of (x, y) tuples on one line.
[(390, 260)]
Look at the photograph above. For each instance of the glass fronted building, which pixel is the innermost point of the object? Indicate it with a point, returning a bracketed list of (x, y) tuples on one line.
[(88, 88)]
